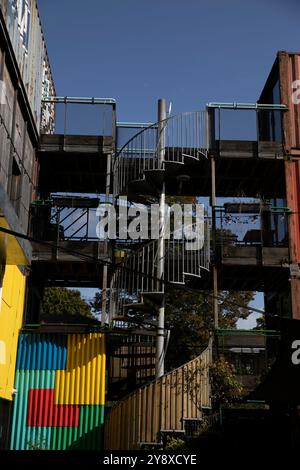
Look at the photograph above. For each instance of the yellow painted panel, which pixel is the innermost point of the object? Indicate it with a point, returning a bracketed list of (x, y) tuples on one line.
[(11, 316), (83, 381)]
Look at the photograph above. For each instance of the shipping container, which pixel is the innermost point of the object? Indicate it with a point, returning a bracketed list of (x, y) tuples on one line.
[(24, 28), (292, 171), (17, 154), (25, 76), (163, 406), (292, 175), (60, 392), (283, 87), (289, 76), (11, 316)]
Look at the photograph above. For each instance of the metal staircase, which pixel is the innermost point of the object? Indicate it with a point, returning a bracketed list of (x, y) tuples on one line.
[(173, 145), (136, 280), (138, 166)]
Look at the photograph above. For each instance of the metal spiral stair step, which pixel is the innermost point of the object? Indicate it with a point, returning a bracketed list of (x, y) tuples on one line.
[(134, 355), (152, 178), (136, 306), (139, 366), (141, 186), (155, 297), (138, 321), (140, 332)]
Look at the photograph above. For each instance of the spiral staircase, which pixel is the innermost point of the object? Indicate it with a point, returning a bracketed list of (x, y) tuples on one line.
[(172, 146)]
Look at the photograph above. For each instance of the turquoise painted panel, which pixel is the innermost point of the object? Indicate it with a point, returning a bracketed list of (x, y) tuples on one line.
[(24, 437)]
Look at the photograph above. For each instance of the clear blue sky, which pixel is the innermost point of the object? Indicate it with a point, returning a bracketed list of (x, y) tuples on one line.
[(188, 51)]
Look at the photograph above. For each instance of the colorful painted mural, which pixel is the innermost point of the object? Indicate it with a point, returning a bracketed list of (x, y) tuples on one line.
[(60, 384)]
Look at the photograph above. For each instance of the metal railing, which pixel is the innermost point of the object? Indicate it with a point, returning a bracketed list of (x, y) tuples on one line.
[(245, 122), (138, 274), (255, 225), (127, 130), (78, 116), (184, 137), (65, 218)]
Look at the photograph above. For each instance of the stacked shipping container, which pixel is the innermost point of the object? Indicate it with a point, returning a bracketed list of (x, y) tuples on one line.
[(289, 78), (25, 76), (60, 392), (24, 28)]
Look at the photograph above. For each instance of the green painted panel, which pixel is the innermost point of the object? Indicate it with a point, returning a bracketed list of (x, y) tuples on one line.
[(87, 436)]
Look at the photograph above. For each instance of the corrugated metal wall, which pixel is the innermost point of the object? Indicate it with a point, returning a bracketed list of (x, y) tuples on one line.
[(17, 142), (11, 315), (292, 170), (292, 175), (60, 383), (289, 72), (161, 405), (26, 35)]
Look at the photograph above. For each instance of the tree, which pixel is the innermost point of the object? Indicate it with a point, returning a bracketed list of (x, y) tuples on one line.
[(190, 319), (96, 303), (260, 323), (60, 301), (225, 387)]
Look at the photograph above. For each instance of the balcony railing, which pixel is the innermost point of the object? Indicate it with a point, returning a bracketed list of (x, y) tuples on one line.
[(245, 122), (65, 218), (78, 116), (177, 137), (251, 224)]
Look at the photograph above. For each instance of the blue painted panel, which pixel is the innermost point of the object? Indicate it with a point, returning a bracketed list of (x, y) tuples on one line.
[(42, 352)]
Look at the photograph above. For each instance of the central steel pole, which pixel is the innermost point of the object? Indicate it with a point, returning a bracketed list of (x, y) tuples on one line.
[(211, 143), (160, 353), (105, 267), (214, 231)]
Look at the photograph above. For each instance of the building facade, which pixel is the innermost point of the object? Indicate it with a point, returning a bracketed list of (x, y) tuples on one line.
[(24, 77), (229, 154)]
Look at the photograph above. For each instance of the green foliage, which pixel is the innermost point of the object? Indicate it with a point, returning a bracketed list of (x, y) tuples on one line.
[(38, 444), (189, 315), (96, 303), (175, 444), (204, 427), (224, 385), (64, 302), (260, 323)]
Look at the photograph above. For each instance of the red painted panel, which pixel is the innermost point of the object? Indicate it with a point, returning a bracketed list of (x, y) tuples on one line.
[(292, 171), (43, 412)]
